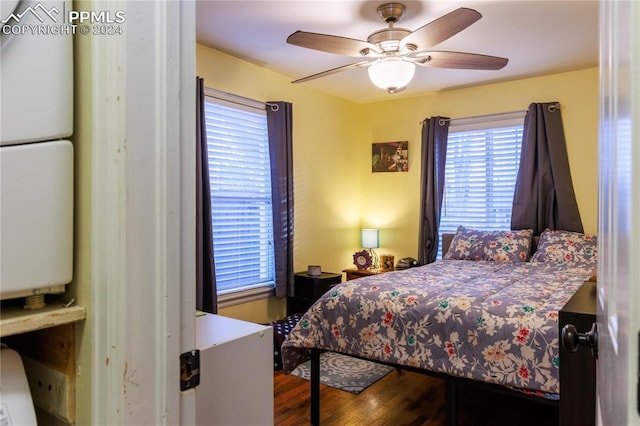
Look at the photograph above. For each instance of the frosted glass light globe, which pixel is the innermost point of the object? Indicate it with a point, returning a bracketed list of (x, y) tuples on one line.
[(391, 74)]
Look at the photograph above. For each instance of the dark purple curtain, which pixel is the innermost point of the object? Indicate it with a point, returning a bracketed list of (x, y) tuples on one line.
[(279, 124), (434, 153), (544, 196), (206, 293)]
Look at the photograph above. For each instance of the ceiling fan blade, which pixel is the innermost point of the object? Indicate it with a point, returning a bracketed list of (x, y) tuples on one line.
[(435, 32), (331, 44), (459, 60), (333, 71)]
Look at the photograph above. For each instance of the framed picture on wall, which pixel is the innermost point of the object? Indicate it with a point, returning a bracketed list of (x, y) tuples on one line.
[(390, 157)]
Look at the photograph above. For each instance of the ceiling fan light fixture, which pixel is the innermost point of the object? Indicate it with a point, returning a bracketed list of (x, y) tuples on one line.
[(390, 46), (391, 74)]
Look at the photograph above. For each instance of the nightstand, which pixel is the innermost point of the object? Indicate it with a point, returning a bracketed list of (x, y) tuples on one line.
[(353, 273), (308, 288), (578, 370)]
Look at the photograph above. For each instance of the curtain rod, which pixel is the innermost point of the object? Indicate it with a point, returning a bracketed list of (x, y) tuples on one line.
[(483, 117), (239, 100), (441, 122), (554, 107)]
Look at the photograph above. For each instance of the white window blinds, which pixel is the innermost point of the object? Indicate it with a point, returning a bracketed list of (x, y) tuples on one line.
[(483, 154), (240, 176)]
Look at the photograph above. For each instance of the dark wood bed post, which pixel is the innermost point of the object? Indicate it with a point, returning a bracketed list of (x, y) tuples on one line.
[(315, 387), (450, 403)]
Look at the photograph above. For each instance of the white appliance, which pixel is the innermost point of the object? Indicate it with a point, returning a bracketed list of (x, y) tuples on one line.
[(36, 220), (36, 72), (236, 372), (16, 406), (36, 166)]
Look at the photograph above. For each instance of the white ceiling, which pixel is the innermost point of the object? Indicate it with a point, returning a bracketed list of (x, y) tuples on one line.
[(538, 37)]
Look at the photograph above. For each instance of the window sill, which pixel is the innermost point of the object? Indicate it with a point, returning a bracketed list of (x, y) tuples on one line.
[(240, 297)]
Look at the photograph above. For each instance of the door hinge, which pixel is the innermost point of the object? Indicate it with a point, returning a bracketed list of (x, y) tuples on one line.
[(189, 369)]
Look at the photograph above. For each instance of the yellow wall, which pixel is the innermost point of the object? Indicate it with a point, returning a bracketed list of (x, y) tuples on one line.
[(390, 201), (335, 192)]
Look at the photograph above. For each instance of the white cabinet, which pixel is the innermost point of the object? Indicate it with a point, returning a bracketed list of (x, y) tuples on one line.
[(236, 372)]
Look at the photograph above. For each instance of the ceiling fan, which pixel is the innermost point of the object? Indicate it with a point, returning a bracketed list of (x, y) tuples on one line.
[(392, 53)]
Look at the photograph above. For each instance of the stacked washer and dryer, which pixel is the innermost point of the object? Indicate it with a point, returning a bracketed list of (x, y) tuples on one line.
[(36, 169)]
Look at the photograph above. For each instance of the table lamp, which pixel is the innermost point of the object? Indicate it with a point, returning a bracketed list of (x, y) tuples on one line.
[(371, 240)]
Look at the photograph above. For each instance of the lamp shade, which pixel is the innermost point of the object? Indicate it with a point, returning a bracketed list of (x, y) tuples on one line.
[(391, 74), (370, 238)]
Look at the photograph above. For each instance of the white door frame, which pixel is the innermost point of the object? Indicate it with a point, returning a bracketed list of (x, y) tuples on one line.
[(619, 214), (143, 221)]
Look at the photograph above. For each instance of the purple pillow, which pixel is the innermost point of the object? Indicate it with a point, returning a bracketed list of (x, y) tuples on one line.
[(500, 246), (566, 247)]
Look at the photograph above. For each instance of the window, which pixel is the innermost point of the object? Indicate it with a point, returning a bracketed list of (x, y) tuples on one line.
[(483, 155), (240, 176)]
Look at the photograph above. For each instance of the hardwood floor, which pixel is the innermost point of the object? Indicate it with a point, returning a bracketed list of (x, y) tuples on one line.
[(403, 398)]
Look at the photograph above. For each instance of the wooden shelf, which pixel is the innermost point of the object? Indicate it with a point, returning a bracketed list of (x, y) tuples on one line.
[(15, 320)]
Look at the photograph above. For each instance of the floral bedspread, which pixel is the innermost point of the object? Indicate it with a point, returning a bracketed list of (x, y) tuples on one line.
[(489, 321)]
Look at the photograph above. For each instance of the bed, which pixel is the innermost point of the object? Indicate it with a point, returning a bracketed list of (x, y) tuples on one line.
[(487, 313)]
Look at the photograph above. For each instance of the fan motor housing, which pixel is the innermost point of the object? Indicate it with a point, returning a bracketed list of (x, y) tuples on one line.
[(391, 12), (380, 38)]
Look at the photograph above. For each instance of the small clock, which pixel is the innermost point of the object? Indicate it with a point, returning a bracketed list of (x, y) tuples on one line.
[(362, 260)]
